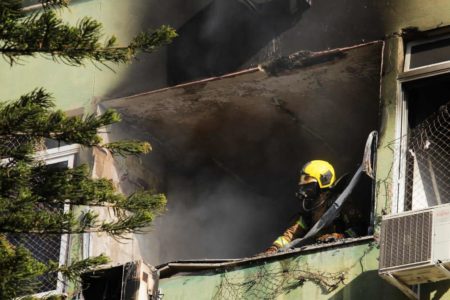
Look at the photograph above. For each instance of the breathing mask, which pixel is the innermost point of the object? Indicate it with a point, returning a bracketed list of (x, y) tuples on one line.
[(308, 192)]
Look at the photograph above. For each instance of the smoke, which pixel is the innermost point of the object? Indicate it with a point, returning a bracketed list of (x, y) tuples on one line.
[(229, 179), (223, 221), (230, 190), (224, 36), (221, 36)]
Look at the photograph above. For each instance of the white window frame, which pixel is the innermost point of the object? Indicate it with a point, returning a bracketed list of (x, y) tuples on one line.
[(401, 124), (399, 167), (52, 156), (59, 154), (422, 42)]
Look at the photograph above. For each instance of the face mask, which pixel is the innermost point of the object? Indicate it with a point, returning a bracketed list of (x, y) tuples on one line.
[(308, 194), (308, 191)]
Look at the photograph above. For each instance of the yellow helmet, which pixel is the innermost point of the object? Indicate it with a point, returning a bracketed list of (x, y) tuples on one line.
[(318, 171)]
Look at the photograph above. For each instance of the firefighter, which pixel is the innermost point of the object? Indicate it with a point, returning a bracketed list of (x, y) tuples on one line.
[(317, 191)]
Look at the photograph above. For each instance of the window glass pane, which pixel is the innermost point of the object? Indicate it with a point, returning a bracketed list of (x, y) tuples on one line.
[(58, 166), (430, 53), (49, 143)]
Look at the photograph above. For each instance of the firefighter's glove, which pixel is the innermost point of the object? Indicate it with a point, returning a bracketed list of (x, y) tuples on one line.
[(271, 250), (331, 237)]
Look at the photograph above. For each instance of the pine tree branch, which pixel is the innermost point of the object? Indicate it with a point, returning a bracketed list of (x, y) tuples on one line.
[(32, 195), (54, 3), (24, 122), (73, 271), (32, 208), (126, 148), (45, 34), (18, 270)]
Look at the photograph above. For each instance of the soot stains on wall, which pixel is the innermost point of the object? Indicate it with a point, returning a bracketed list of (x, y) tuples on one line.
[(227, 152)]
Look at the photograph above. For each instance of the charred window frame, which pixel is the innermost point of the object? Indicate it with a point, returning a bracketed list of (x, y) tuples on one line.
[(421, 93)]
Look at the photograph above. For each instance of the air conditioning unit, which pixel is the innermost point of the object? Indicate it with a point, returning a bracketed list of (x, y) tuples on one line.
[(415, 246)]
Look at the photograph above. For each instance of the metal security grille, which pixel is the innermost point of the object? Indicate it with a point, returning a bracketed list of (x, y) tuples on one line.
[(427, 174), (44, 248), (406, 240), (12, 144)]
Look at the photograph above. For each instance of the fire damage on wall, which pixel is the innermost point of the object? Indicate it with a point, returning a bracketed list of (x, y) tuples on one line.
[(227, 151), (212, 35)]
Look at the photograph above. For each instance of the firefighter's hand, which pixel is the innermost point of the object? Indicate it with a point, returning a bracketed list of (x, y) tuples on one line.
[(271, 250), (331, 237)]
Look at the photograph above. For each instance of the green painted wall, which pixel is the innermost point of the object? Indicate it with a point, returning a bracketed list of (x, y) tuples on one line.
[(282, 279), (72, 87), (75, 87)]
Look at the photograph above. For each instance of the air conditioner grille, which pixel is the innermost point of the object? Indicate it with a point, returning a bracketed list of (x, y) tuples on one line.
[(406, 240)]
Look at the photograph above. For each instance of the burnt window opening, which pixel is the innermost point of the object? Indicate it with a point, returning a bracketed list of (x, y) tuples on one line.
[(234, 175), (104, 284), (116, 283), (427, 153)]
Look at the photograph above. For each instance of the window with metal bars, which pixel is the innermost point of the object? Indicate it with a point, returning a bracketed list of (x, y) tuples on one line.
[(49, 247)]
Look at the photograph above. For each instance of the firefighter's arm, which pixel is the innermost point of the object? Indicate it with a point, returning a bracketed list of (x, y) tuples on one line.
[(298, 229)]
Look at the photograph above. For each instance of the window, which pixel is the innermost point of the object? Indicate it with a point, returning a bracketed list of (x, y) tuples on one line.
[(50, 247), (423, 152), (424, 54)]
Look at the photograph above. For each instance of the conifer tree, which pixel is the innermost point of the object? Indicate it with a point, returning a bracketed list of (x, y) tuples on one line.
[(32, 193), (44, 33)]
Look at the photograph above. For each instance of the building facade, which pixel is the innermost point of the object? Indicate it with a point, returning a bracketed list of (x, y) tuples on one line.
[(396, 51)]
